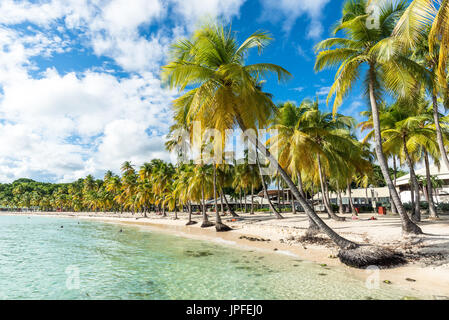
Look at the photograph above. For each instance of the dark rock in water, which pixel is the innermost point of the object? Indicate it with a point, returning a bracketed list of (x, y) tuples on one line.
[(121, 230), (253, 238), (243, 267), (198, 254), (410, 279), (62, 227)]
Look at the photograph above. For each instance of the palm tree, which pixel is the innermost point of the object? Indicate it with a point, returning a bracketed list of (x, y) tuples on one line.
[(295, 148), (423, 56), (225, 91), (369, 47), (265, 191), (225, 180), (427, 20), (416, 134)]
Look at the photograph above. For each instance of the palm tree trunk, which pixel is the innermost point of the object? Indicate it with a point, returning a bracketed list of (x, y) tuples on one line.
[(252, 199), (351, 204), (432, 211), (227, 204), (292, 200), (190, 212), (366, 196), (221, 204), (241, 202), (407, 225), (326, 201), (244, 199), (300, 185), (436, 119), (416, 215), (279, 195), (265, 192), (340, 202), (335, 237), (206, 223), (283, 195), (176, 212), (394, 210), (219, 225)]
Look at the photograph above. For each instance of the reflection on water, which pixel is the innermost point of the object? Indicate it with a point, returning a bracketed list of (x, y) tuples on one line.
[(53, 258)]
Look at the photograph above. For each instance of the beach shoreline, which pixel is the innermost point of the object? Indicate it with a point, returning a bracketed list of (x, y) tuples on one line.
[(427, 276)]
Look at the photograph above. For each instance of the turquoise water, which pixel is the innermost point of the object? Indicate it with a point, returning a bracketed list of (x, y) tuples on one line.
[(93, 260)]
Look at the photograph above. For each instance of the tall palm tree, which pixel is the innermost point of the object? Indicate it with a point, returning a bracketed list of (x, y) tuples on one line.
[(368, 48)]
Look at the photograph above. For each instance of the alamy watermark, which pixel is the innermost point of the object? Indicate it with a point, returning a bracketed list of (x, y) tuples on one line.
[(373, 279), (373, 10), (73, 278)]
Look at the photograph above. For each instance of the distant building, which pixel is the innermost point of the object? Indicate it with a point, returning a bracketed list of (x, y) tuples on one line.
[(366, 197), (440, 194)]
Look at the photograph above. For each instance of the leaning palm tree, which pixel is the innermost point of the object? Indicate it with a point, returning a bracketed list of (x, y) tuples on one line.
[(370, 48), (225, 92)]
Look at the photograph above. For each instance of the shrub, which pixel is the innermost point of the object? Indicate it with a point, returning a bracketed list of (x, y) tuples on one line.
[(443, 206)]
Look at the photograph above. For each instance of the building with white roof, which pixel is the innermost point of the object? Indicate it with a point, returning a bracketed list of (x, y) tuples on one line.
[(440, 194)]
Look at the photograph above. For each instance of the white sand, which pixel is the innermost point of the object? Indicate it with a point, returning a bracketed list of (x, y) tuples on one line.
[(430, 270)]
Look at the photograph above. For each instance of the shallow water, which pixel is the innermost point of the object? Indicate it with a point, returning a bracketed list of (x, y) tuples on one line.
[(94, 260)]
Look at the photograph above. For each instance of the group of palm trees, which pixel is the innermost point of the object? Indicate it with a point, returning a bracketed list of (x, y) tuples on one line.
[(402, 58), (402, 61)]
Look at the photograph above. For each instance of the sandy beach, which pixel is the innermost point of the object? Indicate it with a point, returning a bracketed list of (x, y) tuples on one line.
[(427, 272)]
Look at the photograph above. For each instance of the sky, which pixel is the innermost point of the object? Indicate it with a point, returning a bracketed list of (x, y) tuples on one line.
[(80, 88)]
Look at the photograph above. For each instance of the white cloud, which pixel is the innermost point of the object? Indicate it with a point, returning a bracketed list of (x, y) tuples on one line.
[(323, 91), (194, 10), (288, 11), (299, 89), (14, 12), (72, 121), (63, 126)]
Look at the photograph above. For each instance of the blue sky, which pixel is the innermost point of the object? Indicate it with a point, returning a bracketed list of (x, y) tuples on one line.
[(79, 79)]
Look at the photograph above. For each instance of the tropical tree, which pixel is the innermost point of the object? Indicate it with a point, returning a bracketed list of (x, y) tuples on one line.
[(365, 47)]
